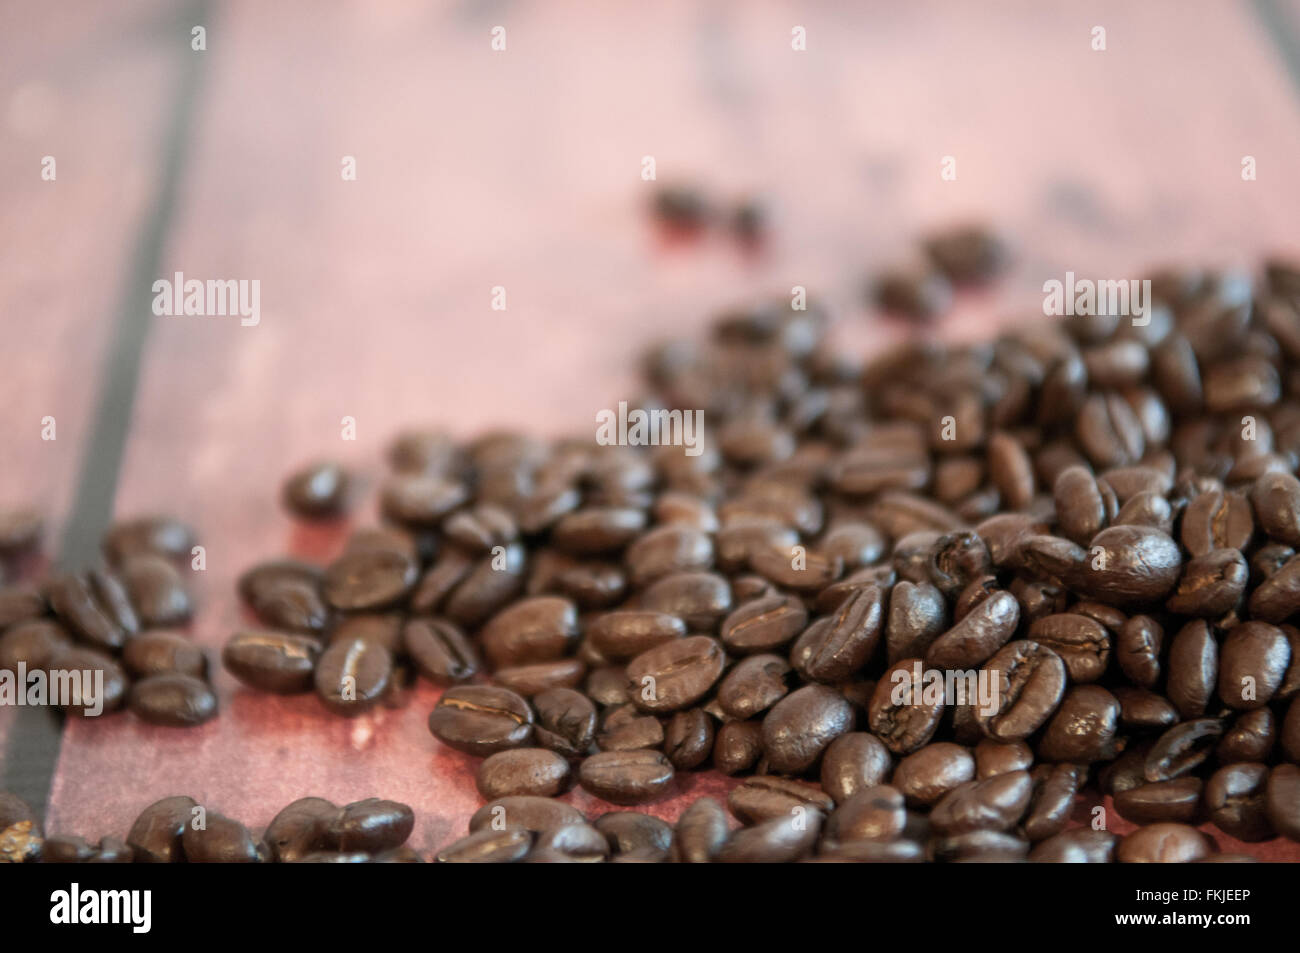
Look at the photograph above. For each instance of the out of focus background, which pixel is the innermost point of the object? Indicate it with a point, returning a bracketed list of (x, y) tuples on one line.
[(521, 169)]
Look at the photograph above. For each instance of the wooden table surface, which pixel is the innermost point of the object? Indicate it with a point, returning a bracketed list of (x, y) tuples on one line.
[(521, 169)]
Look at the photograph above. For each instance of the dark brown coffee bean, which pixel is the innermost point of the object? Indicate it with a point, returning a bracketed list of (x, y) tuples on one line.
[(421, 501), (1253, 660), (925, 776), (626, 777), (1080, 508), (996, 804), (853, 762), (488, 846), (917, 616), (1052, 801), (160, 535), (1079, 846), (800, 726), (524, 812), (1182, 749), (667, 550), (977, 636), (1193, 668), (21, 602), (1277, 597), (1084, 727), (1165, 843), (737, 746), (1234, 798), (87, 697), (916, 292), (688, 738), (532, 771), (997, 757), (530, 680), (833, 652), (1212, 585), (160, 652), (776, 841), (172, 699), (1141, 709), (1217, 520), (1138, 650), (352, 676), (371, 825), (481, 528), (369, 580), (481, 720), (95, 608), (700, 599), (1080, 642), (280, 662), (796, 567), (1276, 499), (1128, 565), (762, 798), (700, 832), (156, 590), (626, 634), (540, 629), (901, 714), (220, 840), (156, 834), (630, 832), (1109, 432), (439, 649), (1250, 737), (753, 685), (566, 721), (317, 491), (873, 814), (1175, 800), (676, 674), (300, 829), (1282, 800), (1031, 680), (763, 625), (32, 643)]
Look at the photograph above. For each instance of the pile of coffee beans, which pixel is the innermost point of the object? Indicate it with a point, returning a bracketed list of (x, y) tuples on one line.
[(178, 830), (969, 589), (124, 620)]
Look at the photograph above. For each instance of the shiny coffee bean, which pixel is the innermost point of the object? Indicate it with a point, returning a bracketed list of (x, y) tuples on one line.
[(300, 829), (524, 812), (852, 762), (800, 727), (532, 771), (1165, 843), (700, 832), (95, 608), (1253, 660), (1174, 800), (1031, 681), (367, 580), (688, 738), (1083, 644), (481, 720), (1234, 798), (762, 798), (925, 776), (33, 643), (439, 650), (676, 674), (172, 699), (221, 840), (317, 491), (156, 835), (737, 746), (279, 662), (352, 676), (901, 714), (159, 652), (1193, 669), (626, 777), (372, 825), (1084, 727), (488, 846)]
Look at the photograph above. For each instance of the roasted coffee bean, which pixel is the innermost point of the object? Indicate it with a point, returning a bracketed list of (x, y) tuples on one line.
[(481, 720), (95, 608), (873, 814), (1212, 585), (1138, 650), (90, 697), (977, 636), (1234, 798), (800, 726), (1250, 737), (1039, 599), (688, 738), (1217, 520), (534, 771), (925, 776), (524, 812), (676, 674), (371, 825), (1129, 565), (995, 804), (763, 625), (161, 652), (488, 846), (1084, 727), (316, 491), (901, 714), (172, 699), (33, 643), (156, 835), (352, 676), (754, 685), (1182, 749), (997, 757), (762, 798), (1278, 596), (853, 762), (737, 746), (1055, 787), (667, 550), (1142, 709), (279, 662), (1291, 733), (421, 501), (626, 777), (156, 590), (1282, 800), (795, 567), (221, 840), (847, 642), (1030, 680), (369, 580), (1109, 432), (779, 840), (917, 616), (700, 599), (21, 602), (159, 535), (629, 832), (1193, 668), (626, 634), (1079, 846), (300, 829), (700, 832), (1081, 643), (530, 680), (439, 650), (607, 686), (1175, 800), (1253, 660), (1080, 508), (1164, 843), (626, 729), (540, 629)]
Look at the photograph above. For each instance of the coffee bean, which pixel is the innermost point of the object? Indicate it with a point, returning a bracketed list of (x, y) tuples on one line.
[(91, 666), (531, 771), (352, 676), (1253, 660), (1109, 432), (1217, 520), (700, 832), (530, 680), (1193, 668), (1174, 800), (629, 832), (279, 662), (800, 726), (316, 491), (754, 685), (33, 643), (699, 599), (776, 841), (626, 777), (21, 602), (847, 641), (161, 652), (421, 500), (1182, 749), (1079, 846), (853, 762), (626, 634), (1129, 565), (995, 804), (1052, 801), (1031, 681), (369, 580), (1080, 642), (173, 699), (1164, 843), (566, 721), (1142, 709), (975, 638), (300, 829), (762, 798), (221, 840), (763, 625), (1212, 585), (737, 746), (156, 591), (688, 738), (159, 535), (1282, 800), (675, 675), (371, 825), (917, 616), (524, 812), (488, 846), (1138, 650), (481, 720), (925, 776), (996, 757), (439, 649), (156, 835), (1234, 798), (626, 729), (1084, 727), (1250, 737), (901, 714), (873, 814), (1278, 596), (95, 608)]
